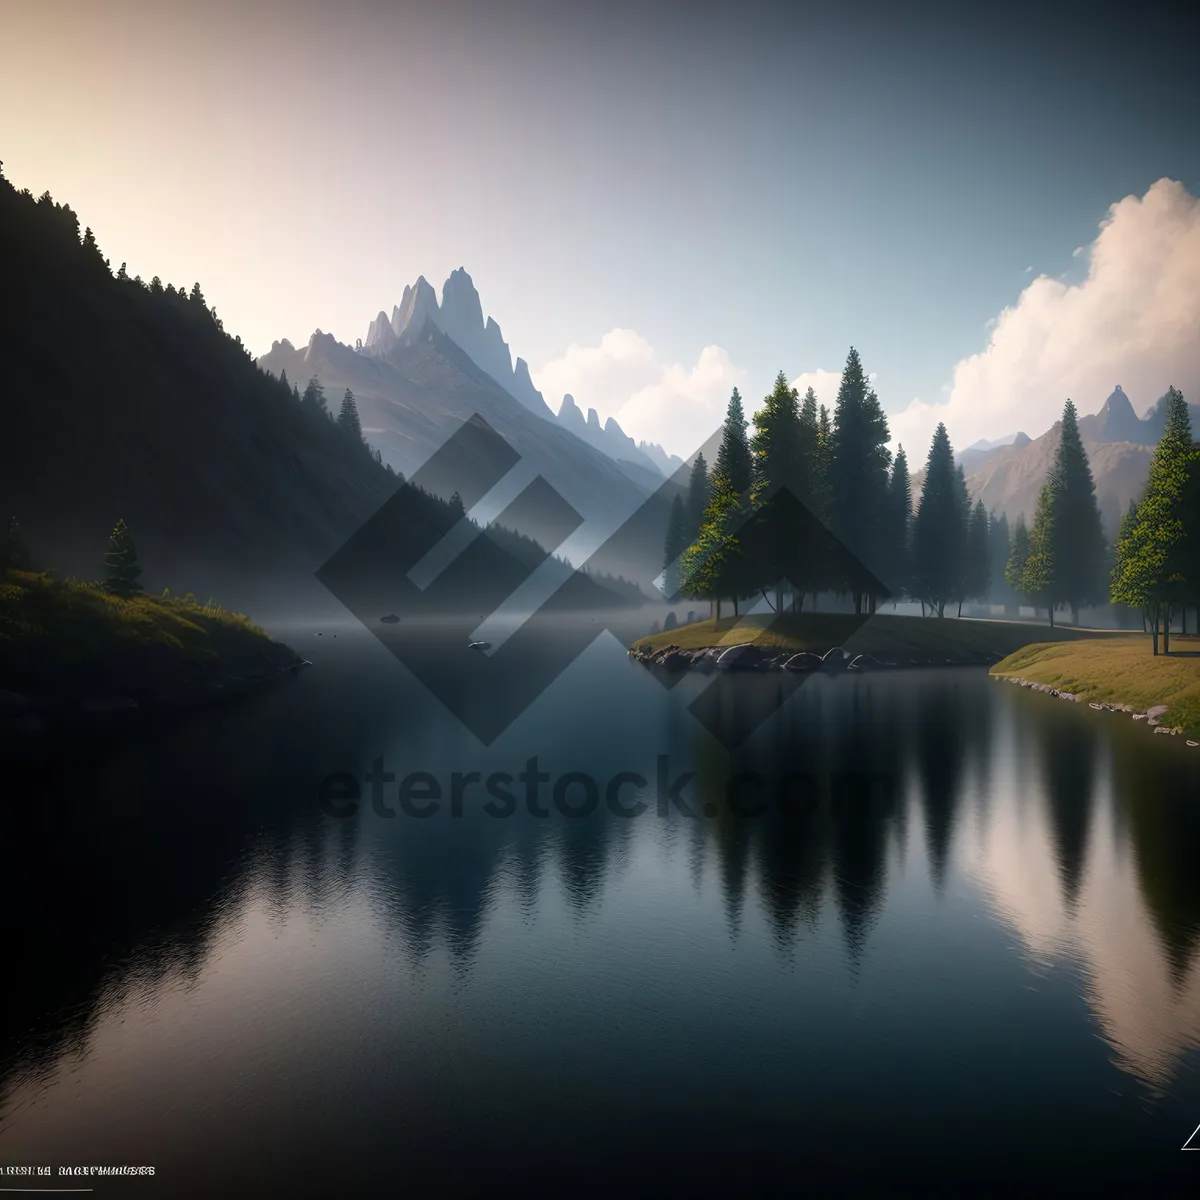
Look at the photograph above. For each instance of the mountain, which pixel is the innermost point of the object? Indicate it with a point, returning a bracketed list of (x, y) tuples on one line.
[(612, 440), (416, 386), (460, 318), (1119, 445), (150, 412)]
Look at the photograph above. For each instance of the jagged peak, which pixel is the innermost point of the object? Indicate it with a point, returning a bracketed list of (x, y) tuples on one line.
[(568, 402), (282, 344), (593, 419), (1022, 439), (611, 426), (521, 370)]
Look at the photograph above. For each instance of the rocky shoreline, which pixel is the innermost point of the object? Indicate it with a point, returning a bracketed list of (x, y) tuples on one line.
[(103, 700), (750, 656), (1152, 716)]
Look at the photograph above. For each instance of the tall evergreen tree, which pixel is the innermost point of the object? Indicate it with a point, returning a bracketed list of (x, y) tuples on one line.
[(314, 396), (859, 475), (999, 546), (1038, 580), (121, 563), (822, 476), (1014, 570), (1077, 547), (1154, 555), (978, 557), (938, 529), (898, 520), (733, 458), (347, 418), (675, 544), (713, 566), (778, 467), (697, 498)]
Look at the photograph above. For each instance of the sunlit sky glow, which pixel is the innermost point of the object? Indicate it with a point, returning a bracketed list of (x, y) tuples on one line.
[(733, 190)]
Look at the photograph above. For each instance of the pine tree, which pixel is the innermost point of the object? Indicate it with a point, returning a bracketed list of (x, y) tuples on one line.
[(674, 545), (122, 564), (733, 458), (457, 507), (197, 297), (978, 557), (14, 554), (1038, 580), (939, 529), (697, 498), (778, 467), (283, 379), (1078, 544), (999, 548), (822, 475), (898, 521), (348, 417), (1154, 555), (859, 476), (314, 396), (713, 566), (1018, 556), (122, 275)]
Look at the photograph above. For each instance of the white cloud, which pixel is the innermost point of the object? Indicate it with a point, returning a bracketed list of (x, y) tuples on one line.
[(1077, 252), (669, 403), (1134, 320), (824, 384)]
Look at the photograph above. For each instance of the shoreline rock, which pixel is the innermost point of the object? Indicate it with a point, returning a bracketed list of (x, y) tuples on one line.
[(1152, 715), (751, 656)]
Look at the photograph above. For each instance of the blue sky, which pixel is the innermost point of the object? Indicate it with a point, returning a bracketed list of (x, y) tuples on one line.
[(775, 181)]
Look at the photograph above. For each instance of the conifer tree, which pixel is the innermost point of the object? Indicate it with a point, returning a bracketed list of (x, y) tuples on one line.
[(822, 475), (999, 547), (1038, 579), (697, 498), (1018, 556), (347, 418), (1077, 548), (314, 396), (859, 471), (1154, 554), (122, 564), (733, 458), (197, 297), (674, 545), (978, 557), (938, 529), (898, 519), (713, 566), (456, 506), (778, 468)]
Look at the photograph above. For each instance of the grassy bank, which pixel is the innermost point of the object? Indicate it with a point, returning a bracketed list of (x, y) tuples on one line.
[(1118, 670), (886, 636), (64, 644)]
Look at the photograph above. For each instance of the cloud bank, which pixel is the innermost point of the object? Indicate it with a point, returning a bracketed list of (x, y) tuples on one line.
[(1134, 320), (669, 403)]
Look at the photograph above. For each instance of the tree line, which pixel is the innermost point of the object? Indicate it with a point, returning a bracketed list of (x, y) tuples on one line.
[(800, 501)]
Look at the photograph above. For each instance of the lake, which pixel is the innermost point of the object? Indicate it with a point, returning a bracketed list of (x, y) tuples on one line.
[(941, 930)]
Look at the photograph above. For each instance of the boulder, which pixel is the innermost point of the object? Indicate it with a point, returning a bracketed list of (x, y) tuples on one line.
[(801, 661), (835, 659), (674, 659), (669, 621), (691, 617), (741, 658)]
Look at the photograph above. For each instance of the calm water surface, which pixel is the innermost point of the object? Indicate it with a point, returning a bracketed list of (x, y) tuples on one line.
[(980, 969)]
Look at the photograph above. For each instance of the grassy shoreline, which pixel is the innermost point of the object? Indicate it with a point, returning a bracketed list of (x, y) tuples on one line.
[(884, 635), (71, 653), (1118, 670)]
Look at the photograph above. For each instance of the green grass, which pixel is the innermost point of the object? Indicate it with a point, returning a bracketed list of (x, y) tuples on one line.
[(1118, 670), (66, 627), (886, 636)]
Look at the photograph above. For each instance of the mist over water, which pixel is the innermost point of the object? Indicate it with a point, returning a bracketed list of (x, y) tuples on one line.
[(960, 942)]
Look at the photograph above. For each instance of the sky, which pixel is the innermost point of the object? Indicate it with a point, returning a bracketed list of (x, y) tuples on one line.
[(657, 202)]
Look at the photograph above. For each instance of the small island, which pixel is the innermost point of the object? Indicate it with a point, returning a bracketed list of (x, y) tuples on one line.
[(79, 654)]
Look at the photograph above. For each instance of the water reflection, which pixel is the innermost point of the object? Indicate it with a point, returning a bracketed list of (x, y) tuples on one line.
[(1081, 838)]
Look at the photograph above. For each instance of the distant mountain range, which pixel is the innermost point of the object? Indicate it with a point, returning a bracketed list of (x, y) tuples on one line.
[(460, 317), (1007, 474)]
